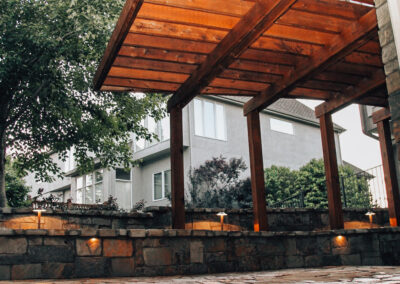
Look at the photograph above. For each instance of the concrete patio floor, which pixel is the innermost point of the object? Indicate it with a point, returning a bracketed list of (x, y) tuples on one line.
[(343, 274)]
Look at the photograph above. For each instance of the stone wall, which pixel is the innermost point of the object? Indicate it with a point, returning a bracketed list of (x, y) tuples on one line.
[(200, 219), (390, 61), (32, 254)]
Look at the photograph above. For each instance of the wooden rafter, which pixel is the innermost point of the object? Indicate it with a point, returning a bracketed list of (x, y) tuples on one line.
[(351, 94), (128, 15), (351, 38), (247, 30)]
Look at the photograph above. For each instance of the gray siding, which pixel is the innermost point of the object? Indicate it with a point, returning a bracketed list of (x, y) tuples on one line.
[(280, 149)]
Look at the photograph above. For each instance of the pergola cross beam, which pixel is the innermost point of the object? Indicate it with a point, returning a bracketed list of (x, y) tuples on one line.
[(260, 17), (351, 38), (351, 94)]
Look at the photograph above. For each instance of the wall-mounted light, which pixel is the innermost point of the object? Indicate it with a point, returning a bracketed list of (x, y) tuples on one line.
[(39, 214), (370, 214), (340, 241), (222, 215)]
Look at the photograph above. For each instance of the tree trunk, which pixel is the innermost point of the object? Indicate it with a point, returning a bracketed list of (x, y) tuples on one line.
[(3, 198)]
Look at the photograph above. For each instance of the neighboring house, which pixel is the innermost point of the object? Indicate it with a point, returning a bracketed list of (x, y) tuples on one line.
[(212, 126)]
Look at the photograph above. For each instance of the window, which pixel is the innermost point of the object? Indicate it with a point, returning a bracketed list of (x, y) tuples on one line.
[(209, 119), (160, 128), (122, 174), (89, 188), (281, 126), (69, 163), (161, 185)]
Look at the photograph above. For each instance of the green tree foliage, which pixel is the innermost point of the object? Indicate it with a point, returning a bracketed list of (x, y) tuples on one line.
[(16, 190), (279, 183), (217, 184), (49, 51), (282, 183), (311, 180)]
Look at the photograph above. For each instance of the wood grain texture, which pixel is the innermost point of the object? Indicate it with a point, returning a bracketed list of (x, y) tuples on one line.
[(177, 170), (257, 172), (351, 38), (351, 94), (331, 172), (248, 29), (127, 17), (389, 168)]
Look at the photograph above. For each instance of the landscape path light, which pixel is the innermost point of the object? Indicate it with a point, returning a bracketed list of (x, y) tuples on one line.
[(370, 214), (222, 215), (39, 213)]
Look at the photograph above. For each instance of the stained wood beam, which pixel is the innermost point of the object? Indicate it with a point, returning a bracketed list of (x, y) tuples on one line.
[(351, 94), (331, 172), (257, 172), (127, 17), (380, 115), (260, 17), (177, 170), (352, 37), (382, 120)]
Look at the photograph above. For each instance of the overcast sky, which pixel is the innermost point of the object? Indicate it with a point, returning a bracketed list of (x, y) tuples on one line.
[(357, 148)]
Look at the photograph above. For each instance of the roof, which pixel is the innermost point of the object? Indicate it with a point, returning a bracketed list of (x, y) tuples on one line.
[(289, 107), (264, 49)]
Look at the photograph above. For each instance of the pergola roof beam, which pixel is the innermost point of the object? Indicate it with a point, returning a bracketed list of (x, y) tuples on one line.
[(351, 94), (260, 17), (125, 21), (351, 38)]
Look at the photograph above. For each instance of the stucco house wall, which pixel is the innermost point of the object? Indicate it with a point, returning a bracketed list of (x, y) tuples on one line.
[(278, 149)]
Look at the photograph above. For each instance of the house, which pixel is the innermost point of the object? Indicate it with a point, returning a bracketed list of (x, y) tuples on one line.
[(212, 126)]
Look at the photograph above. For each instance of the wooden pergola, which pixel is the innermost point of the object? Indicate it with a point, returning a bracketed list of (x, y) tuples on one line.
[(263, 49)]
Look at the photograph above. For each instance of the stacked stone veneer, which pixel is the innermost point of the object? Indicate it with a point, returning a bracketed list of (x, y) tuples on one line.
[(160, 217), (390, 61), (31, 254)]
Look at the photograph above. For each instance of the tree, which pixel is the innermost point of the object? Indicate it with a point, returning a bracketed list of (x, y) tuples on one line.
[(49, 51), (282, 183), (279, 183), (16, 190), (216, 184), (312, 181)]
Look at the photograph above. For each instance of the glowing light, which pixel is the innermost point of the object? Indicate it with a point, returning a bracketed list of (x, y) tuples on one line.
[(39, 210), (371, 216), (340, 241), (39, 214), (93, 240), (222, 215)]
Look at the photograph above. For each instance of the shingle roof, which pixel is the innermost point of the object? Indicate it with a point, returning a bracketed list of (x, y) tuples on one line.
[(290, 107)]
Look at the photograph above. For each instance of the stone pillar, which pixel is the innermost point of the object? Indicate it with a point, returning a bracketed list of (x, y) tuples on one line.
[(388, 14)]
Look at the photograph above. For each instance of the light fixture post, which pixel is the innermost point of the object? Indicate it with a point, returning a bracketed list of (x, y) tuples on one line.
[(39, 214), (222, 215)]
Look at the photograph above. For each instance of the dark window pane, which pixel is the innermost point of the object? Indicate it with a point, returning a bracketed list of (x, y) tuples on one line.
[(122, 174)]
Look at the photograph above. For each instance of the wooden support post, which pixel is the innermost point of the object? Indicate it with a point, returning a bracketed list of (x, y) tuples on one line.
[(331, 172), (389, 169), (177, 173), (257, 172)]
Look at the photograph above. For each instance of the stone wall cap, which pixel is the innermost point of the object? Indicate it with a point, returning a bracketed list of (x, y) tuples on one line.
[(172, 233)]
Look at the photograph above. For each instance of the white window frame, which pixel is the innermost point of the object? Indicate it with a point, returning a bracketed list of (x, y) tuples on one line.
[(84, 185), (69, 163), (163, 197), (225, 133), (281, 131), (160, 134)]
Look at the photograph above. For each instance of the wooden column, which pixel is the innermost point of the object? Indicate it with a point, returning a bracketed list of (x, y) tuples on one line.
[(177, 173), (381, 118), (331, 172), (257, 172)]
